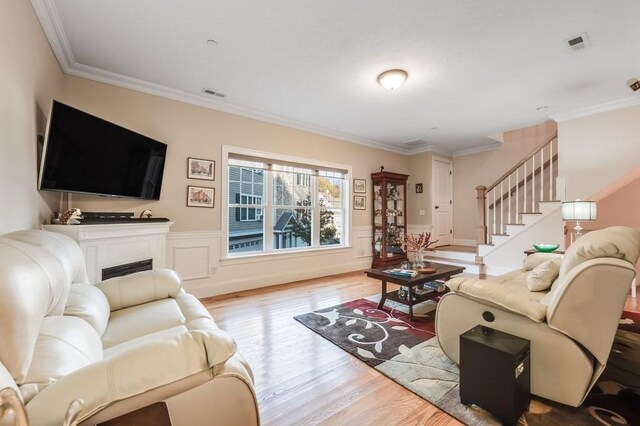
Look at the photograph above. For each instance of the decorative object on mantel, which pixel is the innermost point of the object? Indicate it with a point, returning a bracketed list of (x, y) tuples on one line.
[(70, 217), (359, 202), (198, 168), (418, 188), (418, 244), (579, 211), (359, 186), (146, 214), (200, 196)]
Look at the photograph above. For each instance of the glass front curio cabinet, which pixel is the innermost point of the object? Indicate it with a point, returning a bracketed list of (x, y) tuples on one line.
[(389, 218)]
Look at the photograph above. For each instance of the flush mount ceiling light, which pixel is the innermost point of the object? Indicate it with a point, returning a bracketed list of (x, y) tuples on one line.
[(392, 79)]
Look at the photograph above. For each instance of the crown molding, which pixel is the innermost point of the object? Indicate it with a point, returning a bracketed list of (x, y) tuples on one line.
[(597, 109), (477, 150)]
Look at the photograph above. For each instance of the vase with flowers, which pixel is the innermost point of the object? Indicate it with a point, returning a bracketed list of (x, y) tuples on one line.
[(419, 245)]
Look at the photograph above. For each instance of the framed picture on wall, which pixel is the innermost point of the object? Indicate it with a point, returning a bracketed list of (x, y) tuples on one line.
[(418, 188), (359, 186), (197, 168), (359, 202), (200, 196)]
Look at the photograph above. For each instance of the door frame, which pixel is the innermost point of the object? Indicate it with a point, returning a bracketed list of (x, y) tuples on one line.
[(435, 158)]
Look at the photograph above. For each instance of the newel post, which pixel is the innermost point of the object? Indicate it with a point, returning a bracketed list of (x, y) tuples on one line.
[(481, 227)]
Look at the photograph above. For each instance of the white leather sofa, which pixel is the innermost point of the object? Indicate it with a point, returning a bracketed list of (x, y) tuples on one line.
[(119, 345), (571, 326)]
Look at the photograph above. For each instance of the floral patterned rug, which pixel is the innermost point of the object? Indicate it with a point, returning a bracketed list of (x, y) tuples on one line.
[(408, 353)]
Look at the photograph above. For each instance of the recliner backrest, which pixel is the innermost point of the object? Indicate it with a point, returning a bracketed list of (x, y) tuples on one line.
[(33, 285), (619, 242), (60, 246)]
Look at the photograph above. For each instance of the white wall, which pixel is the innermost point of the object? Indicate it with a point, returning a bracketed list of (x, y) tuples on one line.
[(29, 78), (596, 150)]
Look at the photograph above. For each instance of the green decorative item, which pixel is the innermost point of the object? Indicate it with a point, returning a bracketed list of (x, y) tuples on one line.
[(546, 248)]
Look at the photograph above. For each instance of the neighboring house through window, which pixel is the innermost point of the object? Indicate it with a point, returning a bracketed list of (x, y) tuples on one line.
[(282, 203)]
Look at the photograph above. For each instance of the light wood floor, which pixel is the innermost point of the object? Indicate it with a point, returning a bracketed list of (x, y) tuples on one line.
[(303, 379)]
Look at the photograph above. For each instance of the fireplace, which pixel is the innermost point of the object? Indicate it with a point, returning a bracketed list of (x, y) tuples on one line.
[(126, 269)]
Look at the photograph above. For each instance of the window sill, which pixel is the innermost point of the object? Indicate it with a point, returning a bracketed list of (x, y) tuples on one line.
[(268, 257)]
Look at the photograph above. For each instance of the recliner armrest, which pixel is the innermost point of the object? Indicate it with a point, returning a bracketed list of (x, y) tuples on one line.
[(141, 287), (132, 372)]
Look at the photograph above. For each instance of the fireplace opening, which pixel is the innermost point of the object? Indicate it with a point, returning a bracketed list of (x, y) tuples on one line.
[(127, 268)]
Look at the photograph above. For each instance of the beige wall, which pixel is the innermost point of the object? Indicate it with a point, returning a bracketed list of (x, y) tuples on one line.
[(596, 150), (192, 131), (484, 168), (29, 78), (420, 172)]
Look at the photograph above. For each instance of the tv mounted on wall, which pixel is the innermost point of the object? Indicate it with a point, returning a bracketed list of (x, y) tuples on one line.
[(86, 154)]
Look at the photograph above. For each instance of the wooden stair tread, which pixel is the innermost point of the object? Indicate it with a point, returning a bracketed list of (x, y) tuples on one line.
[(550, 201), (530, 213), (499, 235), (515, 224)]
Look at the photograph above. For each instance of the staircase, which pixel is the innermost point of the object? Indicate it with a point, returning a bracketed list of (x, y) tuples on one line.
[(508, 209)]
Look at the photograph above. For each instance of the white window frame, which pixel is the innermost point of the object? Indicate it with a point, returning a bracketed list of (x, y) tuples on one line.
[(228, 150)]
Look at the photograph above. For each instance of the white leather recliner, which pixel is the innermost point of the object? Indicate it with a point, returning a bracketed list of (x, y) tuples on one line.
[(571, 326), (120, 345)]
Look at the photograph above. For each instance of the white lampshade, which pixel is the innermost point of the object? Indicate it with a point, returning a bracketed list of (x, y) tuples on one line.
[(392, 79), (581, 211)]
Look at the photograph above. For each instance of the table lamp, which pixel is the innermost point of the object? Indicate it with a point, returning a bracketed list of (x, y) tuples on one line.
[(579, 211)]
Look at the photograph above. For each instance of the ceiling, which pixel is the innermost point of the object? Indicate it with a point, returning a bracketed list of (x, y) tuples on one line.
[(476, 68)]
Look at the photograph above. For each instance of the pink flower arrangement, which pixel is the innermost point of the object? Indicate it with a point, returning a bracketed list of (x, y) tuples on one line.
[(420, 242)]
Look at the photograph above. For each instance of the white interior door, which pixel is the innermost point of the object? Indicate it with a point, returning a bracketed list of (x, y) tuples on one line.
[(442, 200)]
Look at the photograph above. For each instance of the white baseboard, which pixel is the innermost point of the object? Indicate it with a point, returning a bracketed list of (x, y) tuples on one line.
[(463, 242)]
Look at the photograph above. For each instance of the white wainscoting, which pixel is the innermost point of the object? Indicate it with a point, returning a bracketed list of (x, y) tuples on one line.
[(196, 256)]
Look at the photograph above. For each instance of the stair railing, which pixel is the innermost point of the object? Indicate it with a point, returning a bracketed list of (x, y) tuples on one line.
[(519, 190)]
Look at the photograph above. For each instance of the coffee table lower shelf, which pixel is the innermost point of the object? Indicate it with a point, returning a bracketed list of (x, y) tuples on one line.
[(393, 295)]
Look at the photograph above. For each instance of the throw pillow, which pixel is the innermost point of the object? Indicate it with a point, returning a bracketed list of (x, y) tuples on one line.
[(541, 277)]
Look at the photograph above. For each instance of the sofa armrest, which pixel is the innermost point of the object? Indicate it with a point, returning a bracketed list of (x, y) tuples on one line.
[(588, 303), (132, 372), (141, 287)]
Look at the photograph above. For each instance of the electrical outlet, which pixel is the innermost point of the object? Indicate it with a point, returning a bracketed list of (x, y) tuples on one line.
[(421, 212)]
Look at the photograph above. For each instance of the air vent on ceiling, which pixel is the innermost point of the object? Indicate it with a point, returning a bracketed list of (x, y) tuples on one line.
[(579, 42), (415, 143), (213, 93)]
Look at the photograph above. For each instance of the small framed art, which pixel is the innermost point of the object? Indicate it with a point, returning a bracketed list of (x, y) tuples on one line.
[(197, 168), (200, 196), (359, 186), (418, 188), (359, 202)]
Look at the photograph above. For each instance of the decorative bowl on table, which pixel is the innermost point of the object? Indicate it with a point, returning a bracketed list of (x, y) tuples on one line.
[(546, 248)]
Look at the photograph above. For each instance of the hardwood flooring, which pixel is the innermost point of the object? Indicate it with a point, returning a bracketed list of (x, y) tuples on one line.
[(303, 379)]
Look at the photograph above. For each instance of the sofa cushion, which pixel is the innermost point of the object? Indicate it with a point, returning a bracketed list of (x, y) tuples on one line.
[(89, 303), (621, 242), (535, 259), (508, 291), (541, 277), (64, 345), (130, 323)]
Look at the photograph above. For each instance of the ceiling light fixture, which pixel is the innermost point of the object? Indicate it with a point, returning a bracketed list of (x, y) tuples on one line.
[(392, 79)]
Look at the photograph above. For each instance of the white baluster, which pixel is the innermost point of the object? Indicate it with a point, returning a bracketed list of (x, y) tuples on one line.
[(501, 208), (494, 211), (533, 184), (509, 206), (551, 181), (524, 188), (542, 174), (517, 196)]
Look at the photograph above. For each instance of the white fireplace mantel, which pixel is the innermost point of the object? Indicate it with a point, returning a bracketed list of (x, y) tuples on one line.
[(107, 245)]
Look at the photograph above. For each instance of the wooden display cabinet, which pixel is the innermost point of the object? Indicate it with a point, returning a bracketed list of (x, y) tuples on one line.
[(389, 218)]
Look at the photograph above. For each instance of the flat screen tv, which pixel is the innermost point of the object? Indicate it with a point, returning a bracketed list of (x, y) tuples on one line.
[(86, 154)]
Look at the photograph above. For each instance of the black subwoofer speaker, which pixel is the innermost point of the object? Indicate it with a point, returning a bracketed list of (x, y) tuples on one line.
[(495, 372)]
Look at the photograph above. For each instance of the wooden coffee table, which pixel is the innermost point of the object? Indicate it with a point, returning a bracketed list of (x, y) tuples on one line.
[(442, 273)]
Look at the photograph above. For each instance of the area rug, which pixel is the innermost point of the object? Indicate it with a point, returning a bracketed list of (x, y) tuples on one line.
[(408, 353)]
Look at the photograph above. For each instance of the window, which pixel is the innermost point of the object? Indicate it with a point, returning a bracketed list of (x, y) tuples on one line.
[(283, 204)]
